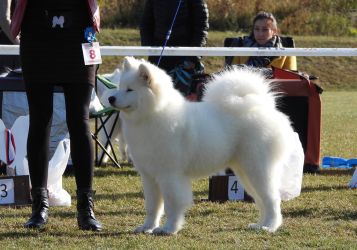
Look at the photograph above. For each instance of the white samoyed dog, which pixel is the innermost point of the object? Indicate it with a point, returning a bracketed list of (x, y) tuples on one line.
[(172, 140)]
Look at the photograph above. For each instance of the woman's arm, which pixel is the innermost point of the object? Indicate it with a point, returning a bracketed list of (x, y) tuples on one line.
[(147, 25), (199, 16), (5, 19)]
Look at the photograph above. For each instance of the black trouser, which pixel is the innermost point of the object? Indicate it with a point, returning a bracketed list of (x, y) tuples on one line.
[(40, 99)]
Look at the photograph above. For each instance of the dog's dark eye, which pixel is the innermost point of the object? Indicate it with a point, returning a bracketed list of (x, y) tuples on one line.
[(129, 90)]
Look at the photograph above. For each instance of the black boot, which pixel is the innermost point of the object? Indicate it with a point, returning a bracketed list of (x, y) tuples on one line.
[(85, 206), (40, 206)]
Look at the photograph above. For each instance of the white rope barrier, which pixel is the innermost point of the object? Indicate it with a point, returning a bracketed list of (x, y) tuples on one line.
[(9, 49), (224, 51), (207, 51)]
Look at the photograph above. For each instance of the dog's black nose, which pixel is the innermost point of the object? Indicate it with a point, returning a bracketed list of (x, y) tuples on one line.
[(111, 99)]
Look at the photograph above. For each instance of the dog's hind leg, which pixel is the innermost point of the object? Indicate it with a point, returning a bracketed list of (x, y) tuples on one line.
[(153, 205), (271, 212), (265, 191), (177, 194), (270, 202), (251, 191)]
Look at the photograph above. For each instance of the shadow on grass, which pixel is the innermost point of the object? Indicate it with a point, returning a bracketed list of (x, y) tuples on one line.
[(200, 193), (331, 214), (73, 214), (323, 188), (107, 171), (120, 196), (121, 213), (202, 213), (243, 229), (347, 215), (37, 232), (337, 172), (303, 212)]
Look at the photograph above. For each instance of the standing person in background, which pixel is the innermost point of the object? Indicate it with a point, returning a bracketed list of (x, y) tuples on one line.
[(7, 62), (52, 34), (189, 30), (265, 34)]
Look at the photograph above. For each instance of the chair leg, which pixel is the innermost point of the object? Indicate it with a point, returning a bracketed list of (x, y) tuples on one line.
[(108, 136), (109, 142), (105, 151)]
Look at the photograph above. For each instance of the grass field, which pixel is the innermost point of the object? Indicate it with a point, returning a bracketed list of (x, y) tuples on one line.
[(324, 216)]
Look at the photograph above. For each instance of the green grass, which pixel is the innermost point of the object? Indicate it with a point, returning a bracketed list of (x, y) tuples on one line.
[(339, 130), (324, 216)]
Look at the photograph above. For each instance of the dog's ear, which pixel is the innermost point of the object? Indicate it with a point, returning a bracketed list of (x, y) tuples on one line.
[(144, 73), (127, 63)]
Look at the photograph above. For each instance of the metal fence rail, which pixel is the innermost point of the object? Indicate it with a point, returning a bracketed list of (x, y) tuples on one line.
[(207, 51)]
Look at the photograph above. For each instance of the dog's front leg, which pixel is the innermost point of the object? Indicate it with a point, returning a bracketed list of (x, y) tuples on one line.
[(177, 194), (153, 205)]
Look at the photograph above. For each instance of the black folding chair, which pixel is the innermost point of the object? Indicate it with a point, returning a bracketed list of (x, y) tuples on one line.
[(101, 118)]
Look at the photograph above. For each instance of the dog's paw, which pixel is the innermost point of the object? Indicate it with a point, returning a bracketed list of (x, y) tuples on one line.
[(162, 231), (269, 229), (143, 229), (257, 226)]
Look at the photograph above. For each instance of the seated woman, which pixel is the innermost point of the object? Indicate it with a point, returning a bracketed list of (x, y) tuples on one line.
[(265, 34)]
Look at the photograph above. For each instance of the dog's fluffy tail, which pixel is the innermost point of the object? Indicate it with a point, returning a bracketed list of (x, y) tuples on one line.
[(240, 89)]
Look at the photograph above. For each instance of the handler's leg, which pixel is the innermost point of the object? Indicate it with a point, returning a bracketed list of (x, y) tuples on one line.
[(40, 99), (77, 96)]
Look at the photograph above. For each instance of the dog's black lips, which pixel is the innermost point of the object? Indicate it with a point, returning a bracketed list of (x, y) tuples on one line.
[(126, 108)]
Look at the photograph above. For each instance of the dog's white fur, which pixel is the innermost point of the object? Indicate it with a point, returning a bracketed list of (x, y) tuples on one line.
[(172, 140)]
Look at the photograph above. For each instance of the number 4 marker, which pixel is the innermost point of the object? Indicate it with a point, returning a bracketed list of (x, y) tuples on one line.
[(235, 189)]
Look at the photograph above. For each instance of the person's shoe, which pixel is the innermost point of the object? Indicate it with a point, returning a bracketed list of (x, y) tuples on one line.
[(86, 219), (40, 207)]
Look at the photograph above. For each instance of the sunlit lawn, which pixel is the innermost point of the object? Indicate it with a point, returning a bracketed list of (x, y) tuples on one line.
[(324, 216)]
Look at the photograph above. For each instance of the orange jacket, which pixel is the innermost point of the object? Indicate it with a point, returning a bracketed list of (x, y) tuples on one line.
[(21, 7)]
